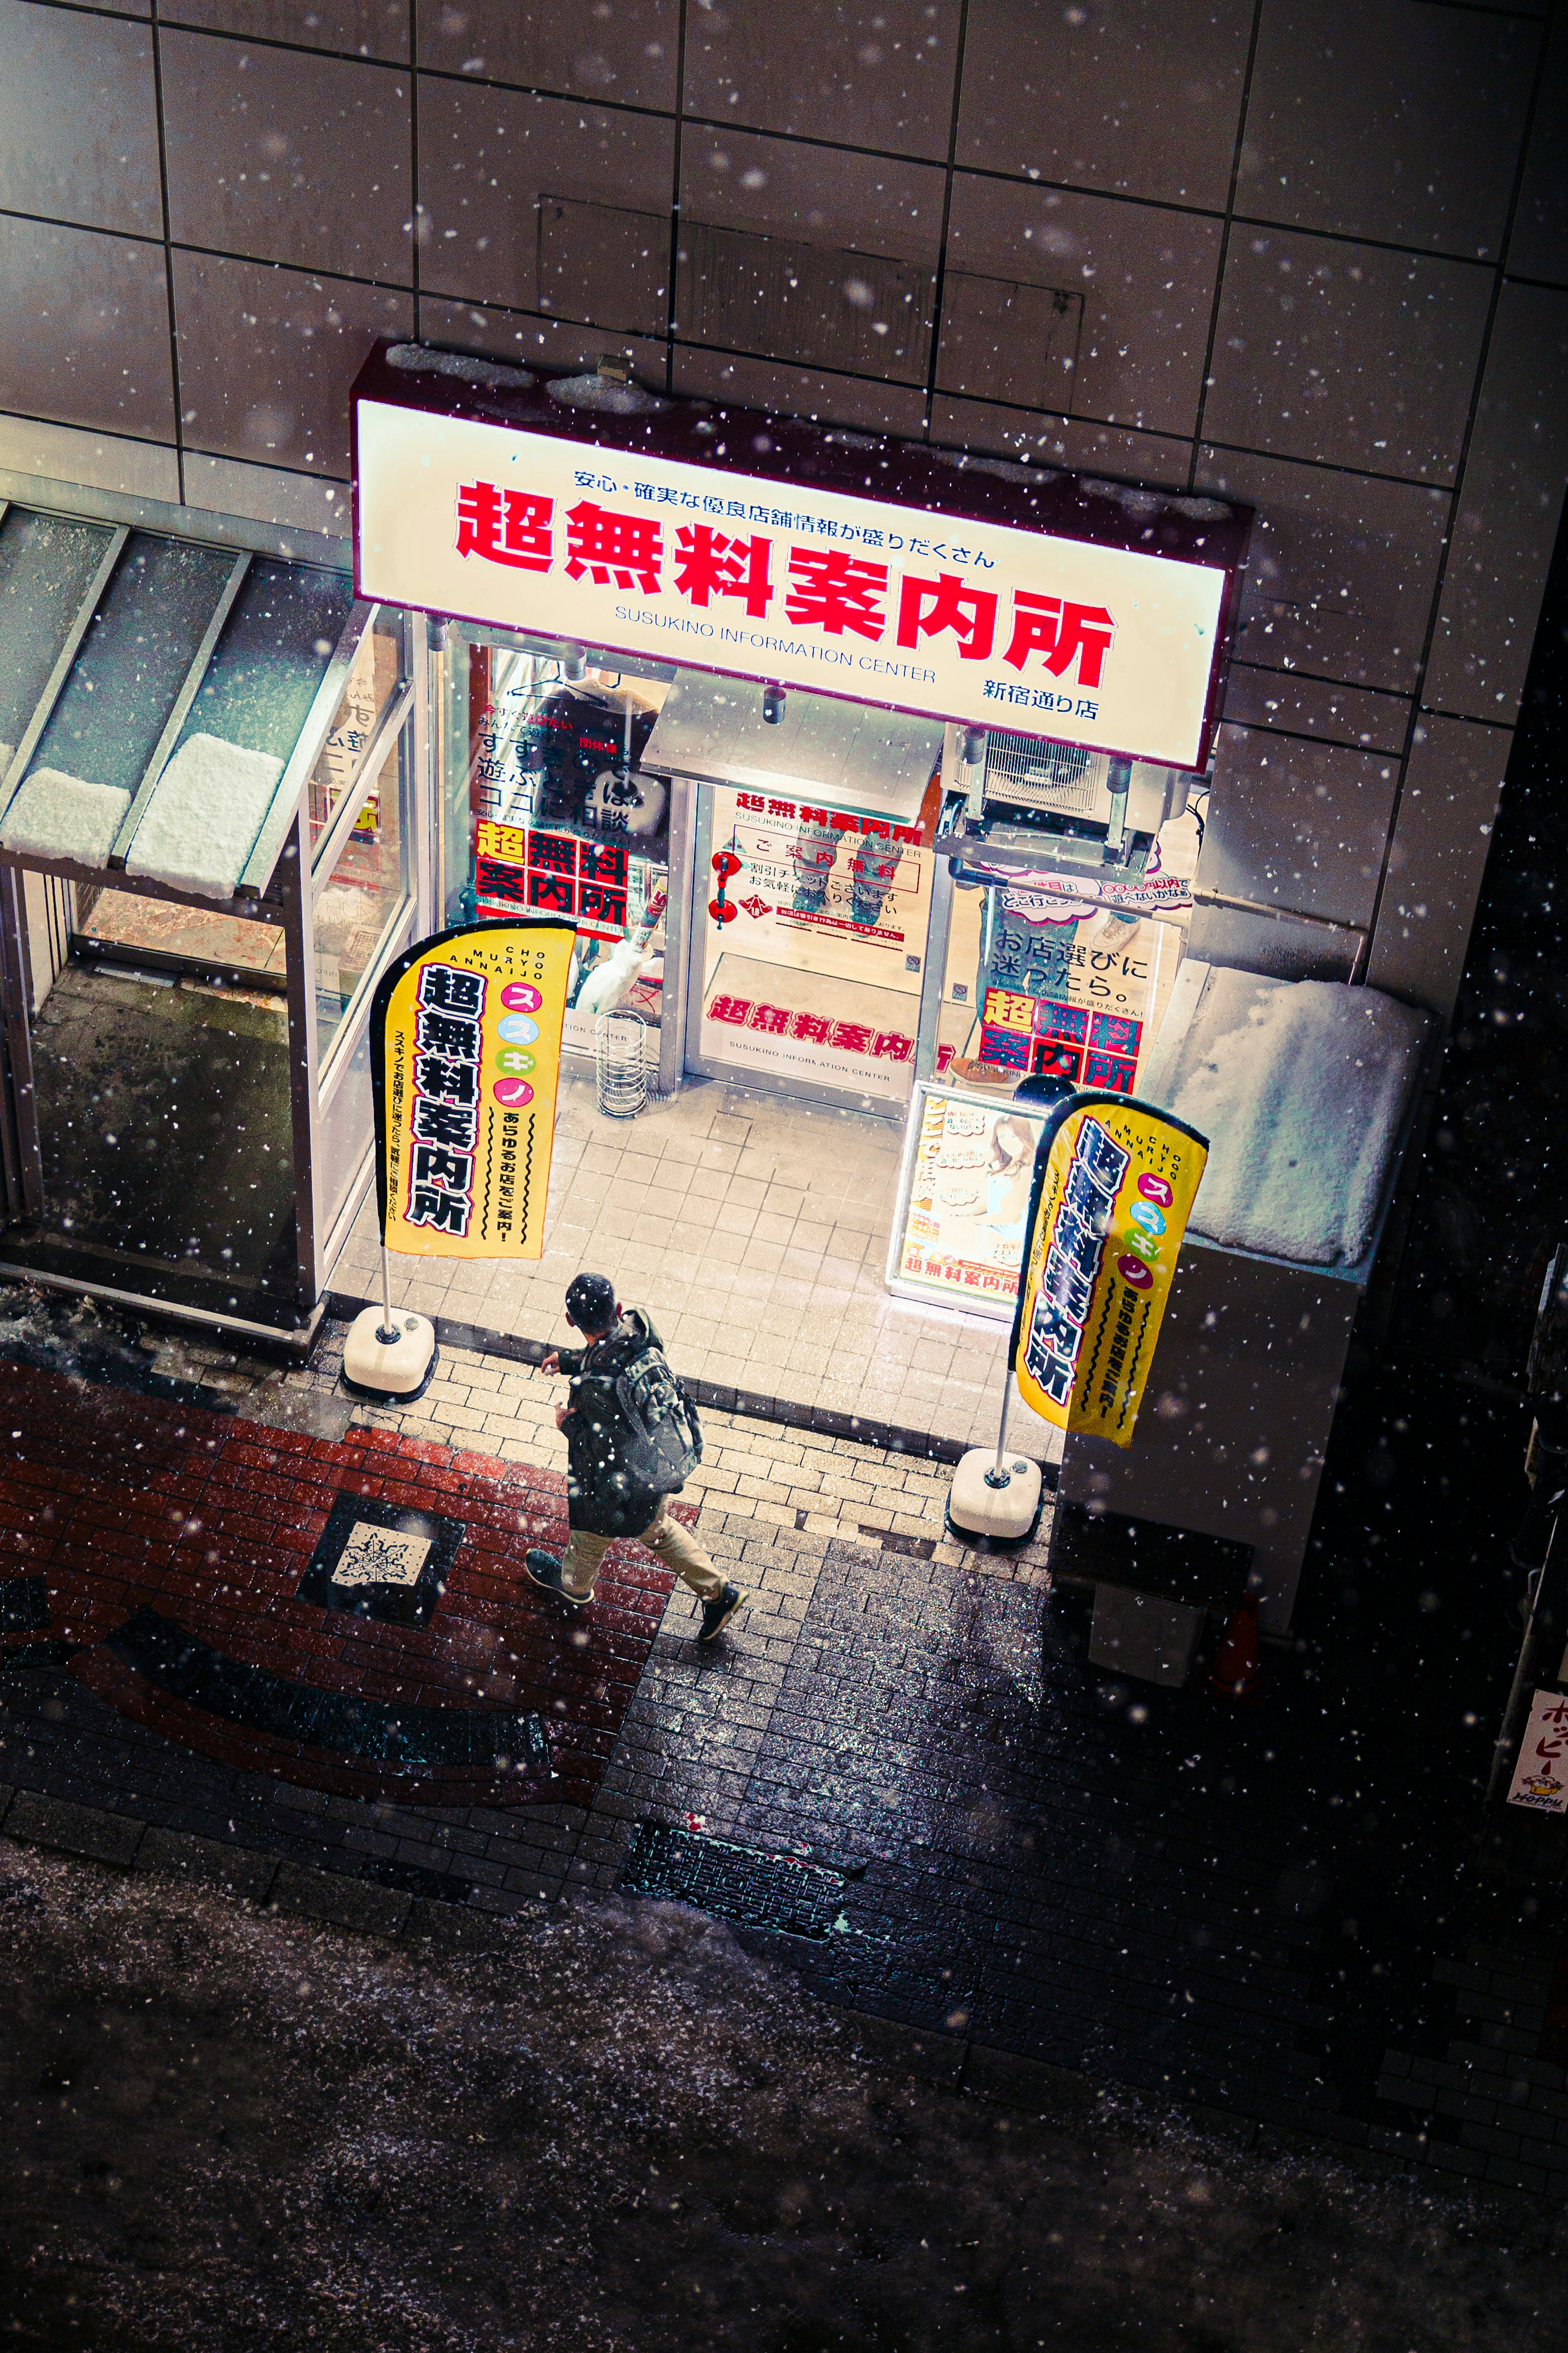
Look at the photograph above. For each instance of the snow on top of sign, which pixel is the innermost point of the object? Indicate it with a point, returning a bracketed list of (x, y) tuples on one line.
[(205, 814), (603, 391), (1301, 1087), (492, 374), (57, 816)]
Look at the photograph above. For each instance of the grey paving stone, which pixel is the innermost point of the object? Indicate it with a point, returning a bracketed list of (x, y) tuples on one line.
[(341, 1902), (87, 1830), (180, 1854)]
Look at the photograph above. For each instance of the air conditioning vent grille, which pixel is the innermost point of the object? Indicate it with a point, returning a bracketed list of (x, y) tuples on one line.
[(1029, 774)]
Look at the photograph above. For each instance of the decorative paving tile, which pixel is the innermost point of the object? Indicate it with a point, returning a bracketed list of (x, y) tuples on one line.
[(382, 1560)]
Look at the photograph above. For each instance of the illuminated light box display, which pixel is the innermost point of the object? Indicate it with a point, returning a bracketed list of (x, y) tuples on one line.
[(959, 1226), (870, 569)]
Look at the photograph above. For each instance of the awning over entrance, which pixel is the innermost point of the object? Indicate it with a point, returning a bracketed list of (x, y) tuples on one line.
[(854, 755), (160, 700)]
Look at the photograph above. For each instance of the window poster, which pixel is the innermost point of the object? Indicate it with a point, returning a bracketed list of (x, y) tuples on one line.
[(959, 1236), (814, 942), (1070, 996)]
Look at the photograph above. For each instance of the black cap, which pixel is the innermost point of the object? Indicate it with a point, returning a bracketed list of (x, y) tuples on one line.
[(1045, 1087), (591, 1301)]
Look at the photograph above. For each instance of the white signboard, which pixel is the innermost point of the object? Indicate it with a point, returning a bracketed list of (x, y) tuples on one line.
[(958, 1233), (978, 622), (1541, 1775)]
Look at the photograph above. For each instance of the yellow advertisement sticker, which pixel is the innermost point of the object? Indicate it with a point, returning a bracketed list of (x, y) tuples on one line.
[(1114, 1184), (465, 1066)]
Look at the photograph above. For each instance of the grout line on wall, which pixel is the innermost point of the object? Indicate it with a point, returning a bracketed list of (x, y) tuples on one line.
[(1206, 377), (155, 36), (677, 156), (416, 208), (939, 281)]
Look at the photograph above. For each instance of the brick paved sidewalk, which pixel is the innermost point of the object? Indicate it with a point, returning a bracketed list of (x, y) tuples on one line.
[(1013, 1857)]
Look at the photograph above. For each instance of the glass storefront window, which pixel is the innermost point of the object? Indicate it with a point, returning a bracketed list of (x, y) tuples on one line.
[(813, 935), (371, 682), (562, 821), (366, 889), (1059, 985)]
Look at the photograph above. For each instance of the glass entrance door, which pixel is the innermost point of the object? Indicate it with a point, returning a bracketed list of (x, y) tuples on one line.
[(808, 945)]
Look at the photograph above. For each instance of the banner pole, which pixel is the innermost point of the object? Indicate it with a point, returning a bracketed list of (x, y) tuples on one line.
[(997, 1477), (387, 1333)]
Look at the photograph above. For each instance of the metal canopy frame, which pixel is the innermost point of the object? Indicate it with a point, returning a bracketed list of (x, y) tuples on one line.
[(277, 888), (275, 826)]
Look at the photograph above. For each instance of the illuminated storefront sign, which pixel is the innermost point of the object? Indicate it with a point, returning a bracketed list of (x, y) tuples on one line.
[(540, 526)]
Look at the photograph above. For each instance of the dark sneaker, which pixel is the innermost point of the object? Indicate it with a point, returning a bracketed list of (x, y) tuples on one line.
[(717, 1614), (544, 1570)]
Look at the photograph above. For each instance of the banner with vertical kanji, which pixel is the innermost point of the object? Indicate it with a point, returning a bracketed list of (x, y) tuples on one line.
[(1113, 1185), (465, 1042)]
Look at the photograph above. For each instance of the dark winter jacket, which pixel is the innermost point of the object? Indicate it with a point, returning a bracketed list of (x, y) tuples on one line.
[(600, 1496)]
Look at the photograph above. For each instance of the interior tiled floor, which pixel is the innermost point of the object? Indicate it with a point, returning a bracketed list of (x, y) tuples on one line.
[(754, 1230)]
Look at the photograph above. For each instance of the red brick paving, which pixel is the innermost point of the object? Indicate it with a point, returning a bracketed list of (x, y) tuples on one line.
[(120, 1501)]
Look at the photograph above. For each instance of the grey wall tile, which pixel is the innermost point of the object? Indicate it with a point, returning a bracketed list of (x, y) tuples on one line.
[(356, 28), (738, 179), (1140, 96), (623, 49), (96, 350), (488, 157), (1341, 572), (828, 69), (1147, 276), (104, 461), (1401, 122), (1286, 948), (1296, 825), (1441, 838), (1539, 246), (519, 335), (288, 157), (1070, 441), (123, 8), (78, 125), (801, 392), (1346, 354), (1314, 708), (267, 357), (1509, 510), (265, 494)]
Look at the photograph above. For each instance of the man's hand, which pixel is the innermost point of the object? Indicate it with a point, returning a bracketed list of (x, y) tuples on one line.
[(562, 1415), (551, 1364)]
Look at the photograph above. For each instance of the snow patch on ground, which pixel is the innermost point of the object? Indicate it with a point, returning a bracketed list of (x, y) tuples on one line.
[(57, 816), (204, 817), (1301, 1088)]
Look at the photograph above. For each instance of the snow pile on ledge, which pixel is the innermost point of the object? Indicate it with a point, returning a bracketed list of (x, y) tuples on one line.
[(204, 817), (57, 816), (1301, 1088)]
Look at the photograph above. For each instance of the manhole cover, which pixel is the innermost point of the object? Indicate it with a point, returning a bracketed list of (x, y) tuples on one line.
[(735, 1882)]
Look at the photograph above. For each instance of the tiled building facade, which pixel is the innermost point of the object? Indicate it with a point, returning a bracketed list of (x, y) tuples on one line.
[(1314, 258)]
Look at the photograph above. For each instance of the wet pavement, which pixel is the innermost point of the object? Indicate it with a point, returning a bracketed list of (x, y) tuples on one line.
[(604, 2126), (1270, 1917)]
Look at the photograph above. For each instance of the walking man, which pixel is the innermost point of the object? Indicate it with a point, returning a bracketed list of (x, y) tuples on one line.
[(607, 1497)]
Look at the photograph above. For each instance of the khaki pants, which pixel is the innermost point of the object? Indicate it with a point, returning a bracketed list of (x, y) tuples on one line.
[(665, 1538)]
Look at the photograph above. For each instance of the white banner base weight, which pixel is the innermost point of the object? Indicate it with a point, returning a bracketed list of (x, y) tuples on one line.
[(1002, 1509), (394, 1367)]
